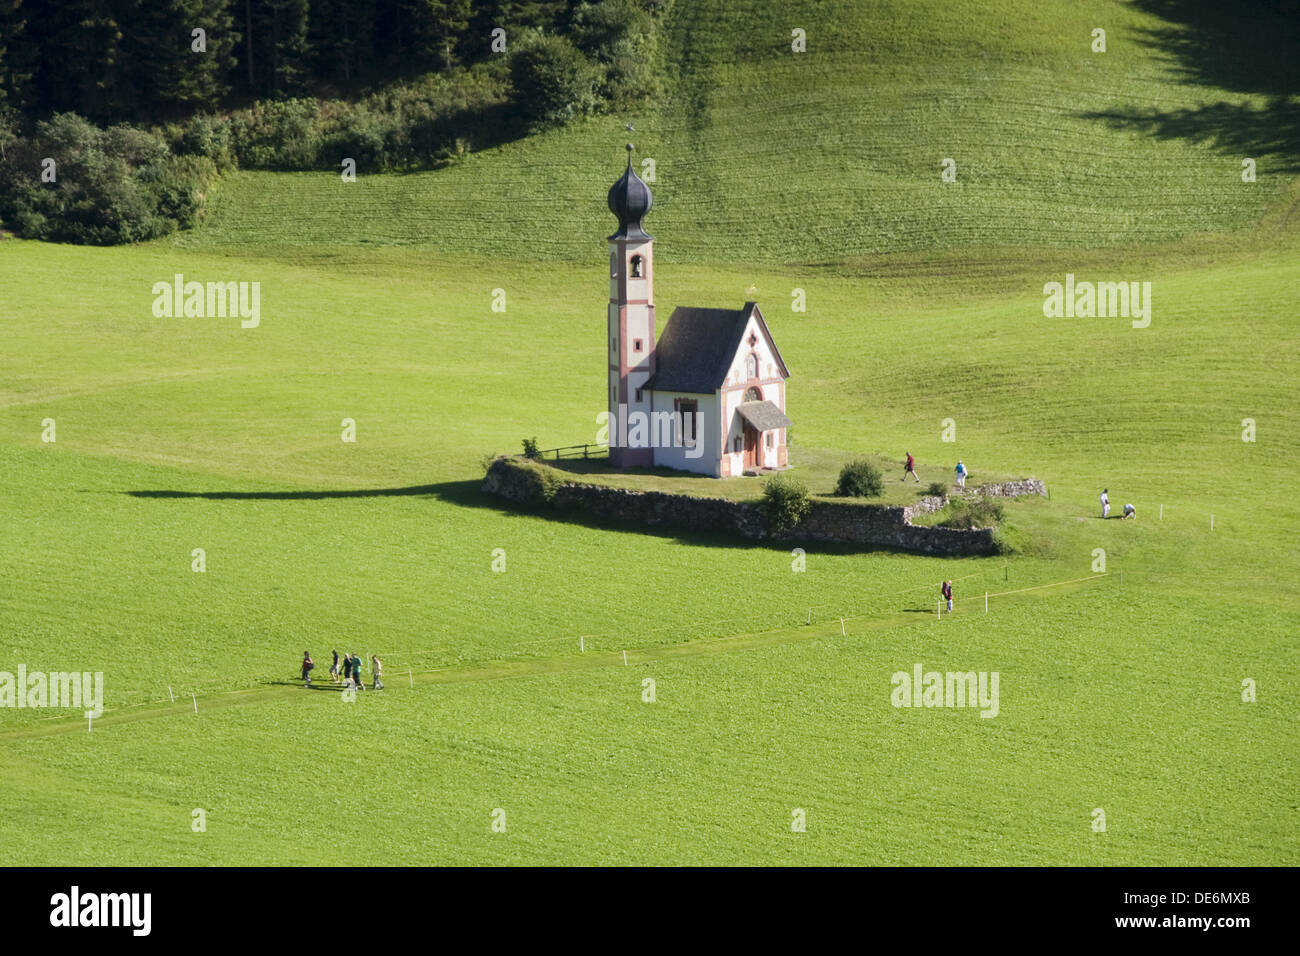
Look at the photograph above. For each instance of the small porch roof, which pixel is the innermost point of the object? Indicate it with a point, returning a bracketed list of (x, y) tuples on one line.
[(763, 415)]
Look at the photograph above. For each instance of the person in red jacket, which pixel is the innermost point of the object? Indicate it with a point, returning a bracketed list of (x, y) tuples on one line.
[(909, 468), (947, 594)]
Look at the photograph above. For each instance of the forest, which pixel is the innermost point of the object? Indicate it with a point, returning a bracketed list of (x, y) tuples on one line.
[(116, 114)]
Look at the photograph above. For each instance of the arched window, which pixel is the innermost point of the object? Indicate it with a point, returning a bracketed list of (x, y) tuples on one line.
[(736, 445), (636, 267), (753, 395), (613, 265), (751, 366)]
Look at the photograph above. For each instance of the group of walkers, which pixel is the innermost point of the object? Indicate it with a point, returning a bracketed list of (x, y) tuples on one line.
[(909, 468), (349, 675)]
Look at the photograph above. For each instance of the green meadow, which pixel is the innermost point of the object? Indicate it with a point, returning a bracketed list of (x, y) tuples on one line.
[(1121, 688)]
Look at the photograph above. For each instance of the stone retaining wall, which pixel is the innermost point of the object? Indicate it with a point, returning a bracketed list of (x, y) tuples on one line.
[(1011, 489), (840, 522)]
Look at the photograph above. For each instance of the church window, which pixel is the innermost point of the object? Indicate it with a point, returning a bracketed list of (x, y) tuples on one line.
[(636, 267), (769, 439), (686, 409), (613, 265), (753, 395), (751, 366), (638, 395), (735, 446), (636, 345)]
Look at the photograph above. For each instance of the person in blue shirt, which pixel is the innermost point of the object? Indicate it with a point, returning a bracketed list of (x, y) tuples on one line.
[(961, 476)]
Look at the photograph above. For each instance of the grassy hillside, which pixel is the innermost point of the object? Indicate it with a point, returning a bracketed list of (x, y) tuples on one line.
[(765, 155), (176, 434), (1120, 690)]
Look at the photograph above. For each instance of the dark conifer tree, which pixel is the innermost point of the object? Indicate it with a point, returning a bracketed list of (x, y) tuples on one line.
[(166, 70)]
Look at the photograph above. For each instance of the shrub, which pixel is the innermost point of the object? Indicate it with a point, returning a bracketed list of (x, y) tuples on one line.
[(178, 188), (277, 134), (112, 185), (786, 502), (530, 448), (620, 38), (423, 122), (973, 513), (553, 81), (208, 135), (937, 489), (860, 479), (376, 140), (542, 482)]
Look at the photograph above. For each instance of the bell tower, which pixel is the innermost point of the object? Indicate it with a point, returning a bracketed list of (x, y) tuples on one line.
[(631, 326)]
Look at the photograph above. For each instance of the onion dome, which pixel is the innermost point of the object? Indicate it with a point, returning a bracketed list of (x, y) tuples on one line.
[(629, 200)]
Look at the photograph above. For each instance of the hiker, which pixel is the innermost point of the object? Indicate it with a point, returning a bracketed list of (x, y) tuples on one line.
[(1130, 512), (947, 594), (1105, 502), (347, 669), (334, 668), (961, 476), (307, 665), (356, 672), (909, 468), (377, 668)]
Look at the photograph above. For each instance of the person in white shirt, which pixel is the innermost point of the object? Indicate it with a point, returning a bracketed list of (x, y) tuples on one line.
[(1105, 503), (1130, 512)]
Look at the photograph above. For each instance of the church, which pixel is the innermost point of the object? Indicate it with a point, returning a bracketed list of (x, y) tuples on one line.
[(709, 396)]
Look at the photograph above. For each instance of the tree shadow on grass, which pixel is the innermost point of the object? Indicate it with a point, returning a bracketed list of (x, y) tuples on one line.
[(425, 490), (1246, 49), (469, 494)]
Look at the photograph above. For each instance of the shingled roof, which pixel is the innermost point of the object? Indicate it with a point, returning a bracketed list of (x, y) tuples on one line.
[(698, 346), (763, 415)]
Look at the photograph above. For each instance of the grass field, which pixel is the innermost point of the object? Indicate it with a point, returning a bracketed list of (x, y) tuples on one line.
[(766, 156), (818, 469), (1119, 690)]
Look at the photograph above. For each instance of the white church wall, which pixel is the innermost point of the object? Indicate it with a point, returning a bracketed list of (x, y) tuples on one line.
[(771, 455), (676, 457), (767, 365)]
